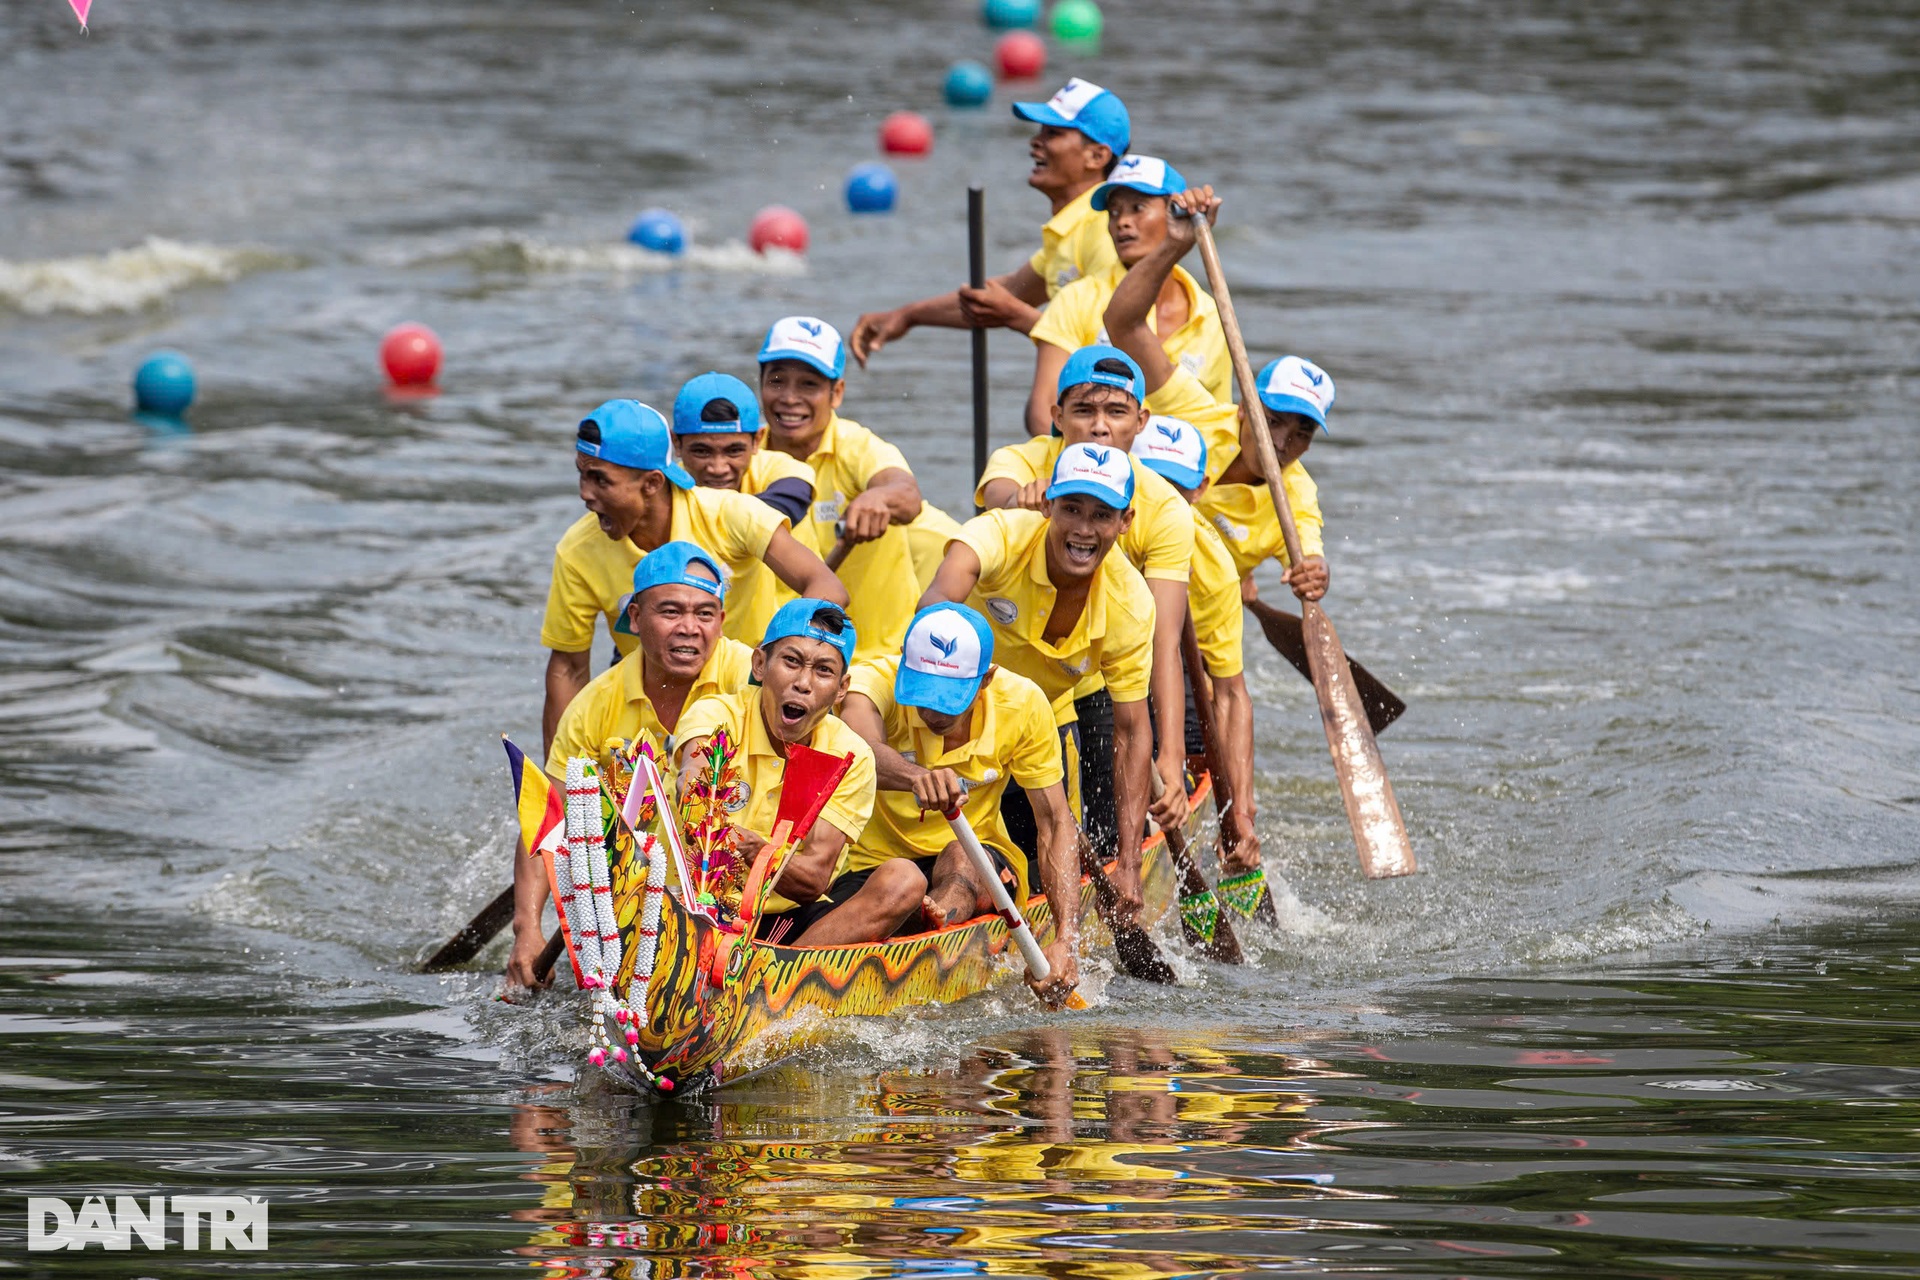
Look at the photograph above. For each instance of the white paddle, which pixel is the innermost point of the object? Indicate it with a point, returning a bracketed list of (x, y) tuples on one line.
[(1016, 923)]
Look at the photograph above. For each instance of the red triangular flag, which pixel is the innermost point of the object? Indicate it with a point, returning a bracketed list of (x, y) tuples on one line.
[(807, 784)]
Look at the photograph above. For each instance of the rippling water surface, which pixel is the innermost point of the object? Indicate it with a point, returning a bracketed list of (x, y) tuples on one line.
[(1621, 302)]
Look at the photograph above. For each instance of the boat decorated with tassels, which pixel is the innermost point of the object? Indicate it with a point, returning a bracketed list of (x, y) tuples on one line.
[(683, 995)]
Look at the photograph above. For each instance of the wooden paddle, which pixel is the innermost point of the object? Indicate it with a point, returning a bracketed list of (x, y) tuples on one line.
[(476, 934), (1224, 945), (977, 277), (1378, 830), (1191, 659), (1283, 631)]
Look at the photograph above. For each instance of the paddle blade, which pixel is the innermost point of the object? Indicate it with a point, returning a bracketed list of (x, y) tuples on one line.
[(1371, 809), (1282, 630)]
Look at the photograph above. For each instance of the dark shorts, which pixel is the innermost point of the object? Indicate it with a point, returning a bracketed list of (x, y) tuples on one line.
[(854, 881), (787, 926)]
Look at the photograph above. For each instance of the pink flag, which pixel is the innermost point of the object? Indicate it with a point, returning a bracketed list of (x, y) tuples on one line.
[(80, 8)]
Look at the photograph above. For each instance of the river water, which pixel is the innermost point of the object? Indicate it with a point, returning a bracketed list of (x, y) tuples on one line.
[(1620, 299)]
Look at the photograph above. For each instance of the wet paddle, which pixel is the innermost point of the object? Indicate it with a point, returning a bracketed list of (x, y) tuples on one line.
[(1283, 632), (1202, 924), (477, 933), (977, 277), (1017, 927), (1378, 830)]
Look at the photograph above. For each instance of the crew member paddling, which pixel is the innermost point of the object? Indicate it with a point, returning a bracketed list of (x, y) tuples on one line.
[(674, 615), (801, 666), (937, 713), (864, 491), (638, 498), (1135, 199), (1063, 609), (1098, 401), (716, 434), (1084, 130)]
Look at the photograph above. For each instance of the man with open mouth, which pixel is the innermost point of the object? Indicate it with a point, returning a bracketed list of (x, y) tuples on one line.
[(1063, 609), (801, 667), (638, 498)]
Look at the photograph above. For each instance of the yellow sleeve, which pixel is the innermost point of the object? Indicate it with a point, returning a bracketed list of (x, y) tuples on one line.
[(988, 536), (871, 456), (1219, 622), (1033, 749), (769, 464), (746, 524), (1065, 321), (851, 804), (1015, 462), (1303, 495), (715, 711), (873, 679), (572, 609), (1126, 658), (1183, 396), (1166, 524)]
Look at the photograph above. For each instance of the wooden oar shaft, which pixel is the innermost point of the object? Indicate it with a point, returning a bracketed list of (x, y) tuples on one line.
[(479, 931), (1195, 664), (977, 277)]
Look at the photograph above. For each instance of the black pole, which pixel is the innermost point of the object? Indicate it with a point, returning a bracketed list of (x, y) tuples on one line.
[(977, 277)]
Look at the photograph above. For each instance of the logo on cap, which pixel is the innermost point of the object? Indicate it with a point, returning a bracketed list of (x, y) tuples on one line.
[(1073, 97), (944, 645)]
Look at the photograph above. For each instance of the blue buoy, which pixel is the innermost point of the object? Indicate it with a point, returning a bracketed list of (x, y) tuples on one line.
[(1005, 15), (871, 188), (163, 384), (969, 84), (658, 230)]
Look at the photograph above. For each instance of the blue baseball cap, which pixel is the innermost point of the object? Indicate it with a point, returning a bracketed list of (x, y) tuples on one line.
[(1097, 470), (1174, 449), (1080, 369), (1293, 385), (630, 434), (1080, 104), (668, 565), (1144, 174), (796, 618), (704, 390), (943, 659), (814, 343)]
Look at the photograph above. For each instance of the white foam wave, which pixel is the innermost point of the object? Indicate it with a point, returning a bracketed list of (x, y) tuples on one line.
[(1623, 929), (126, 279), (511, 251)]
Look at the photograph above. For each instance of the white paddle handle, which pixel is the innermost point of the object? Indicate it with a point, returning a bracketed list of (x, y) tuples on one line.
[(1002, 900)]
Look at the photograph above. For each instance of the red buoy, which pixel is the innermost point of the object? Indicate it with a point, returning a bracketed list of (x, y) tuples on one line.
[(778, 227), (1020, 55), (411, 354), (906, 133)]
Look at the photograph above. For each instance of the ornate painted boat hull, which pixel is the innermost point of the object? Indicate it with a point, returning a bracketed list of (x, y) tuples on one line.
[(719, 1007)]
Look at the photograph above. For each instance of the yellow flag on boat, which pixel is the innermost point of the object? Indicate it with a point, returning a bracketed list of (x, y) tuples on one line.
[(539, 807)]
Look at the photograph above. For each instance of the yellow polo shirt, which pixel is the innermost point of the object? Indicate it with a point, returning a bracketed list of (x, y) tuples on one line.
[(1077, 317), (769, 464), (1243, 516), (614, 706), (927, 539), (1213, 597), (592, 573), (879, 574), (754, 593), (1013, 735), (1112, 638), (762, 768), (1159, 543), (1073, 243)]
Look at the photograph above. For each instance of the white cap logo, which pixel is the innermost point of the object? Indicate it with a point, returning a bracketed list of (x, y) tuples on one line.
[(804, 333), (1303, 379), (1074, 96), (943, 644), (1140, 171), (1171, 440)]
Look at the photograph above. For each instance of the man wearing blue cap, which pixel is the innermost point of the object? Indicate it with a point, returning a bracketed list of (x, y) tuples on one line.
[(1135, 198), (1063, 610), (716, 435), (864, 492), (1084, 131), (674, 615), (638, 498), (1099, 401), (801, 669), (939, 712)]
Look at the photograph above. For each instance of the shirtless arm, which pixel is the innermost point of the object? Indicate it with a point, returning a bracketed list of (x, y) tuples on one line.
[(1169, 700), (567, 675), (876, 329), (1048, 361), (1139, 291), (892, 496), (804, 572), (1132, 757), (954, 580), (1059, 867)]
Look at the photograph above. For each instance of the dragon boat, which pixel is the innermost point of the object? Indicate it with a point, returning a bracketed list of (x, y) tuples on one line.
[(684, 996)]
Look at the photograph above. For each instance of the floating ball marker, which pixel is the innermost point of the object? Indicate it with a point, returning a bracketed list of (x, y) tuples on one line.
[(778, 227), (871, 188), (163, 384), (1020, 55), (411, 354), (1077, 23), (658, 231), (1006, 15), (906, 133), (969, 84)]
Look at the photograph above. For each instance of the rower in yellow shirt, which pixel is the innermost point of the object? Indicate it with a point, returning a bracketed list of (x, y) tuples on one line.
[(1176, 451), (1098, 401), (1295, 395), (801, 670), (1084, 131), (1063, 609), (674, 615), (717, 437), (864, 492), (1135, 200), (638, 498), (939, 712)]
